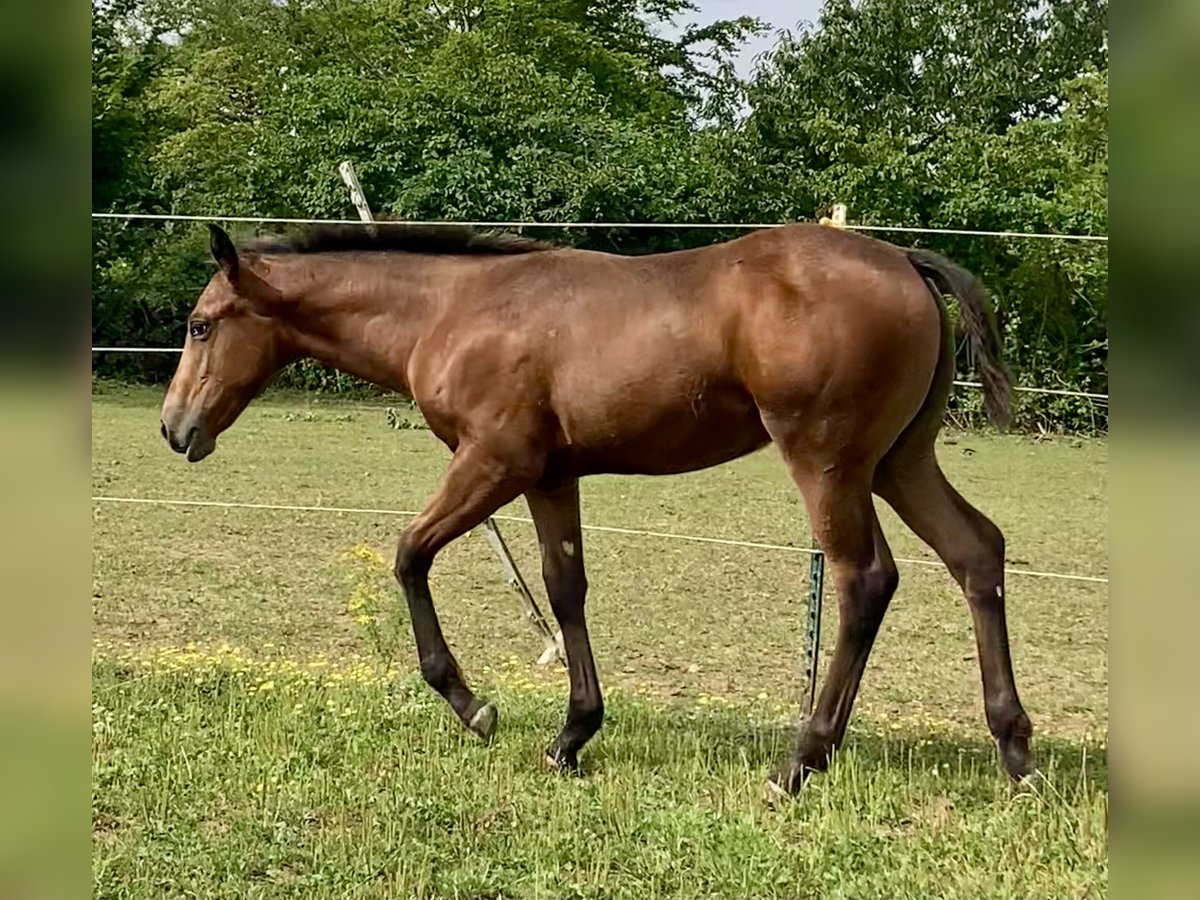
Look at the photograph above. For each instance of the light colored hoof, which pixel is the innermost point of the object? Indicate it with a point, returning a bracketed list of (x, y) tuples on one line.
[(483, 723)]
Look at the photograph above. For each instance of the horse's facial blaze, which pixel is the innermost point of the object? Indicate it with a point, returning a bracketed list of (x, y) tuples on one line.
[(229, 354)]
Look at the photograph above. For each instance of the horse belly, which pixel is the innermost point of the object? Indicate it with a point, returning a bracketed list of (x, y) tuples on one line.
[(706, 429)]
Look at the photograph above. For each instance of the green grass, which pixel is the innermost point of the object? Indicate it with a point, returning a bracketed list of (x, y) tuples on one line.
[(207, 786)]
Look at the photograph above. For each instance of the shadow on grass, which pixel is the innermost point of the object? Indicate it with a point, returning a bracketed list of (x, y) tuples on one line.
[(730, 738), (652, 735)]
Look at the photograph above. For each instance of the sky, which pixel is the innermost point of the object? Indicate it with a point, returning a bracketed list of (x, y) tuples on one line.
[(776, 13)]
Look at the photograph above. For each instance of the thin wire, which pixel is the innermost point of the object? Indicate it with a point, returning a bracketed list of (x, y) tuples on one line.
[(286, 220), (607, 529), (1038, 390), (137, 349), (970, 384), (515, 223), (975, 232)]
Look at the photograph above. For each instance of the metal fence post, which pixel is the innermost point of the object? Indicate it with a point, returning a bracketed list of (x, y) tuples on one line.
[(812, 630)]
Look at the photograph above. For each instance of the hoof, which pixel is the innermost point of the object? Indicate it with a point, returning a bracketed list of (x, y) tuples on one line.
[(785, 782), (562, 762), (1016, 758), (1031, 782), (483, 722)]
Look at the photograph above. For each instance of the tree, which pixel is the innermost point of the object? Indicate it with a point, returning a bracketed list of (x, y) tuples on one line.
[(989, 115), (506, 109)]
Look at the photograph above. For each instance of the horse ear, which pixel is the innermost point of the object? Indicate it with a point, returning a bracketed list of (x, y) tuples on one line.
[(262, 297), (223, 251)]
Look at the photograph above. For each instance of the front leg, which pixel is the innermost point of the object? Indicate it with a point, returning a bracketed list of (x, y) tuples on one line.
[(556, 516), (477, 483)]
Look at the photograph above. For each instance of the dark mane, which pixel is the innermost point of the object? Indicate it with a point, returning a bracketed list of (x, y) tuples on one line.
[(398, 238)]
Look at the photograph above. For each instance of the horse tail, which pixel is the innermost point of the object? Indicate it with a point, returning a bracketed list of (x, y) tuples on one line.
[(956, 281)]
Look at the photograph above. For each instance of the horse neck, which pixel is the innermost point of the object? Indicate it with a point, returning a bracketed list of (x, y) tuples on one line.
[(363, 314)]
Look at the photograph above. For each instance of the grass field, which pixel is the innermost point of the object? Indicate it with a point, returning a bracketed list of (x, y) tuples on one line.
[(251, 740)]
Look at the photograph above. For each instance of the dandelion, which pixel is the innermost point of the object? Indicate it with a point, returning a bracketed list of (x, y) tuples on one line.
[(267, 686)]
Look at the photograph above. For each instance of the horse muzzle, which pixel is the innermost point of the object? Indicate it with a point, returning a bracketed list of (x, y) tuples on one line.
[(193, 441)]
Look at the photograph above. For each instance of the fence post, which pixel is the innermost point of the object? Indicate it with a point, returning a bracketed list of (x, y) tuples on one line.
[(837, 217), (533, 615), (812, 629), (816, 563), (357, 197)]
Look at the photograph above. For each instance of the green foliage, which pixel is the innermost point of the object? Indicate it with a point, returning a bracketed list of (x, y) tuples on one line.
[(985, 115), (990, 115)]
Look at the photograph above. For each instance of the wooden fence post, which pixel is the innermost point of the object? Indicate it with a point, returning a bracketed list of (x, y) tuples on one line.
[(837, 217), (551, 640)]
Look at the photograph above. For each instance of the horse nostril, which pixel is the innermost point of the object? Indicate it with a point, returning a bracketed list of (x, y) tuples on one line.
[(173, 439)]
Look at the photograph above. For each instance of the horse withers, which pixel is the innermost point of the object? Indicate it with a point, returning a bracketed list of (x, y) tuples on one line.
[(538, 365)]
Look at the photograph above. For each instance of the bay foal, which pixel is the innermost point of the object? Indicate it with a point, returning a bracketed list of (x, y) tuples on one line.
[(539, 365)]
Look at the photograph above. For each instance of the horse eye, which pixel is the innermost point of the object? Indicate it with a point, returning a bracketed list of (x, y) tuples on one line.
[(198, 330)]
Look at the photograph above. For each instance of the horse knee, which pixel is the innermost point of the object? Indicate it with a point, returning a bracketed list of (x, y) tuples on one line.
[(411, 563)]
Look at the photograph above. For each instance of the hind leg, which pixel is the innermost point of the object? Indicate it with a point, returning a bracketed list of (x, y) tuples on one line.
[(972, 548), (844, 523)]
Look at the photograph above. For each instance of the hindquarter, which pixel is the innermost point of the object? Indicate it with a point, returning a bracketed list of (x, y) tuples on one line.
[(839, 348)]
